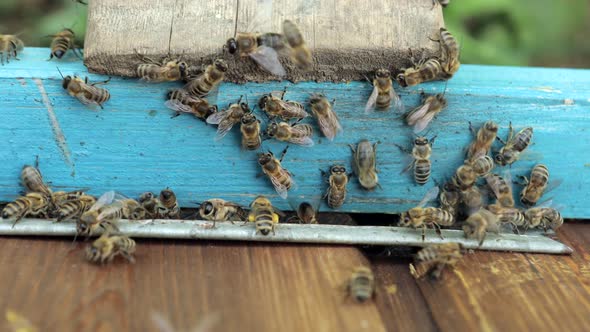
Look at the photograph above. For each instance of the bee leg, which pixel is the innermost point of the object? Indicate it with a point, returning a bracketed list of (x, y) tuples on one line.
[(100, 83), (409, 167), (472, 130), (405, 150), (438, 231), (432, 139), (423, 232), (501, 140), (283, 94), (283, 153)]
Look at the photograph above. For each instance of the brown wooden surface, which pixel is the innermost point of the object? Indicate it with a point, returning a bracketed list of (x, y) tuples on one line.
[(261, 287), (348, 38)]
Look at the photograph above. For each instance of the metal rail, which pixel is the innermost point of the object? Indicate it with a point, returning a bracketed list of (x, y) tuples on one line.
[(534, 242)]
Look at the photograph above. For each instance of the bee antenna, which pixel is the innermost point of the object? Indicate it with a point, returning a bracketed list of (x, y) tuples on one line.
[(62, 76), (445, 90), (236, 21)]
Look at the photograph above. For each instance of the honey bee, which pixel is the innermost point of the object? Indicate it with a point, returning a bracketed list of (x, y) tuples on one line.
[(203, 84), (484, 138), (361, 285), (423, 217), (250, 129), (421, 158), (262, 213), (217, 209), (280, 177), (152, 205), (464, 177), (548, 217), (262, 48), (87, 94), (482, 165), (107, 211), (300, 53), (514, 146), (32, 204), (449, 53), (305, 213), (226, 119), (73, 209), (32, 180), (450, 199), (277, 107), (433, 259), (169, 205), (383, 93), (296, 133), (166, 71), (472, 199), (508, 215), (325, 116), (442, 3), (10, 45), (421, 116), (420, 73), (108, 246), (535, 187), (338, 180), (479, 223), (501, 187), (364, 159), (62, 42), (181, 102)]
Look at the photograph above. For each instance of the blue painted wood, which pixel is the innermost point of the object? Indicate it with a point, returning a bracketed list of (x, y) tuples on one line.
[(133, 145)]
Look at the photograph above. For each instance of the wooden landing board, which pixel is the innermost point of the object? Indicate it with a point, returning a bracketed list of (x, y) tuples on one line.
[(133, 145), (293, 288), (348, 38)]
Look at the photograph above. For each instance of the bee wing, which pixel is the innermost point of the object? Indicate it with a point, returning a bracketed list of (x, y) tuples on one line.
[(177, 106), (417, 113), (491, 185), (507, 176), (370, 107), (294, 107), (398, 105), (551, 204), (430, 195), (280, 188), (223, 128), (330, 125), (301, 140), (423, 122), (105, 199), (552, 185), (268, 58), (217, 117), (81, 96)]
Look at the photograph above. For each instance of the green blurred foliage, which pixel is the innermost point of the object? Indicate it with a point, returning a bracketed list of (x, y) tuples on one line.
[(502, 32)]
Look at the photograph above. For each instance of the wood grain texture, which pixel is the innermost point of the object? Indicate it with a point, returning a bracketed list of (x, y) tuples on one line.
[(347, 38), (234, 287), (133, 145)]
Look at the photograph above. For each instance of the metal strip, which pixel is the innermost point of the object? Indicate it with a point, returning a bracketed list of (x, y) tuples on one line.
[(327, 234)]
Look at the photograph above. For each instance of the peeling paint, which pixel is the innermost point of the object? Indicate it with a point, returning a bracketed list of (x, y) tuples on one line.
[(58, 134), (546, 89)]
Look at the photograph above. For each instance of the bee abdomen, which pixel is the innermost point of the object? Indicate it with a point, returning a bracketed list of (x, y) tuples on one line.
[(59, 46), (336, 198), (422, 171), (16, 209), (540, 174), (523, 139), (68, 210)]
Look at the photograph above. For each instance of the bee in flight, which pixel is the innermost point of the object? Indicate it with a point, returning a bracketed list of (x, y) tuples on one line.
[(281, 178), (325, 116), (383, 94), (364, 160), (62, 42), (181, 102), (296, 133), (108, 246), (275, 106), (421, 158), (337, 180), (361, 285), (263, 214), (421, 116), (514, 146), (433, 259), (10, 45), (226, 119), (300, 53), (87, 94), (166, 71)]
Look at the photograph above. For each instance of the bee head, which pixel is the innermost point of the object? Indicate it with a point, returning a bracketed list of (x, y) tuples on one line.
[(491, 126), (206, 208), (68, 30), (501, 157), (167, 194), (82, 228), (66, 81), (525, 200), (272, 128), (338, 169), (264, 158), (211, 110), (245, 108), (420, 141), (92, 253), (6, 214), (262, 101), (315, 98), (383, 73), (405, 219), (183, 67), (146, 196), (221, 65), (248, 118), (401, 79), (231, 45), (265, 231)]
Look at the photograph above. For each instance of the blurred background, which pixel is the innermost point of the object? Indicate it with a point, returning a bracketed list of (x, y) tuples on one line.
[(503, 32)]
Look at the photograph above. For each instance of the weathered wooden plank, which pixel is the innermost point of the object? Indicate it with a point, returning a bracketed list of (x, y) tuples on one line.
[(348, 38), (512, 292), (133, 145), (231, 286)]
